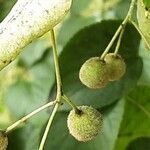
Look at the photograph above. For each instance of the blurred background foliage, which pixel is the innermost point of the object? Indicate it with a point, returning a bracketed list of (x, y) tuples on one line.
[(29, 82)]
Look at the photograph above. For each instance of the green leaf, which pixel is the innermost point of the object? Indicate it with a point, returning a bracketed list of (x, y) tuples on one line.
[(142, 143), (121, 9), (147, 3), (71, 26), (31, 89), (83, 13), (136, 120), (60, 139), (89, 42), (5, 7), (16, 140), (80, 6), (34, 51), (26, 138)]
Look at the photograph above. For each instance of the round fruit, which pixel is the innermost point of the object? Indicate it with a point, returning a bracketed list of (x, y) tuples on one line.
[(86, 125), (116, 66), (3, 141), (93, 73), (143, 15)]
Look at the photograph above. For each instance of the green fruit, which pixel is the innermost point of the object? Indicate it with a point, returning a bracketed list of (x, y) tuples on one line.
[(143, 16), (3, 141), (86, 125), (116, 66), (93, 73)]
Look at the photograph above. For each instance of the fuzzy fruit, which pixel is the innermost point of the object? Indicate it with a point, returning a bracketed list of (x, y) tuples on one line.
[(143, 16), (116, 66), (86, 125), (3, 141), (93, 73)]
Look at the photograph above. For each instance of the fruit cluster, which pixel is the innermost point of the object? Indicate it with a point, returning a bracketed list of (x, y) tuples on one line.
[(96, 73)]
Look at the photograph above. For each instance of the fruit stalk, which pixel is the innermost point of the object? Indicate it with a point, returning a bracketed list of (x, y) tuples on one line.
[(27, 21), (119, 42), (77, 111), (120, 28)]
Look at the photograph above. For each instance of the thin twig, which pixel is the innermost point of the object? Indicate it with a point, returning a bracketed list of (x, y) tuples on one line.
[(119, 41), (127, 18), (13, 126), (56, 61), (48, 126), (71, 104), (111, 42), (140, 32), (59, 91)]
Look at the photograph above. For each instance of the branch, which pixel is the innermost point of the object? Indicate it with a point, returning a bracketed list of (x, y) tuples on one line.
[(51, 118), (59, 90), (120, 28), (17, 123), (28, 20), (140, 32)]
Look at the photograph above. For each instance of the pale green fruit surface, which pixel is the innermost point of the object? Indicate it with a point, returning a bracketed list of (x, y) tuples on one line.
[(116, 66), (3, 141), (86, 125), (143, 17), (93, 73)]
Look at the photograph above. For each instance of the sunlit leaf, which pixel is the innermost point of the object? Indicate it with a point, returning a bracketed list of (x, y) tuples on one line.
[(136, 121)]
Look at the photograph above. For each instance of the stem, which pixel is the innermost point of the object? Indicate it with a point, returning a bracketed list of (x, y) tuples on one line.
[(140, 32), (119, 41), (71, 104), (56, 61), (127, 18), (13, 126), (111, 42), (48, 126), (59, 91)]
